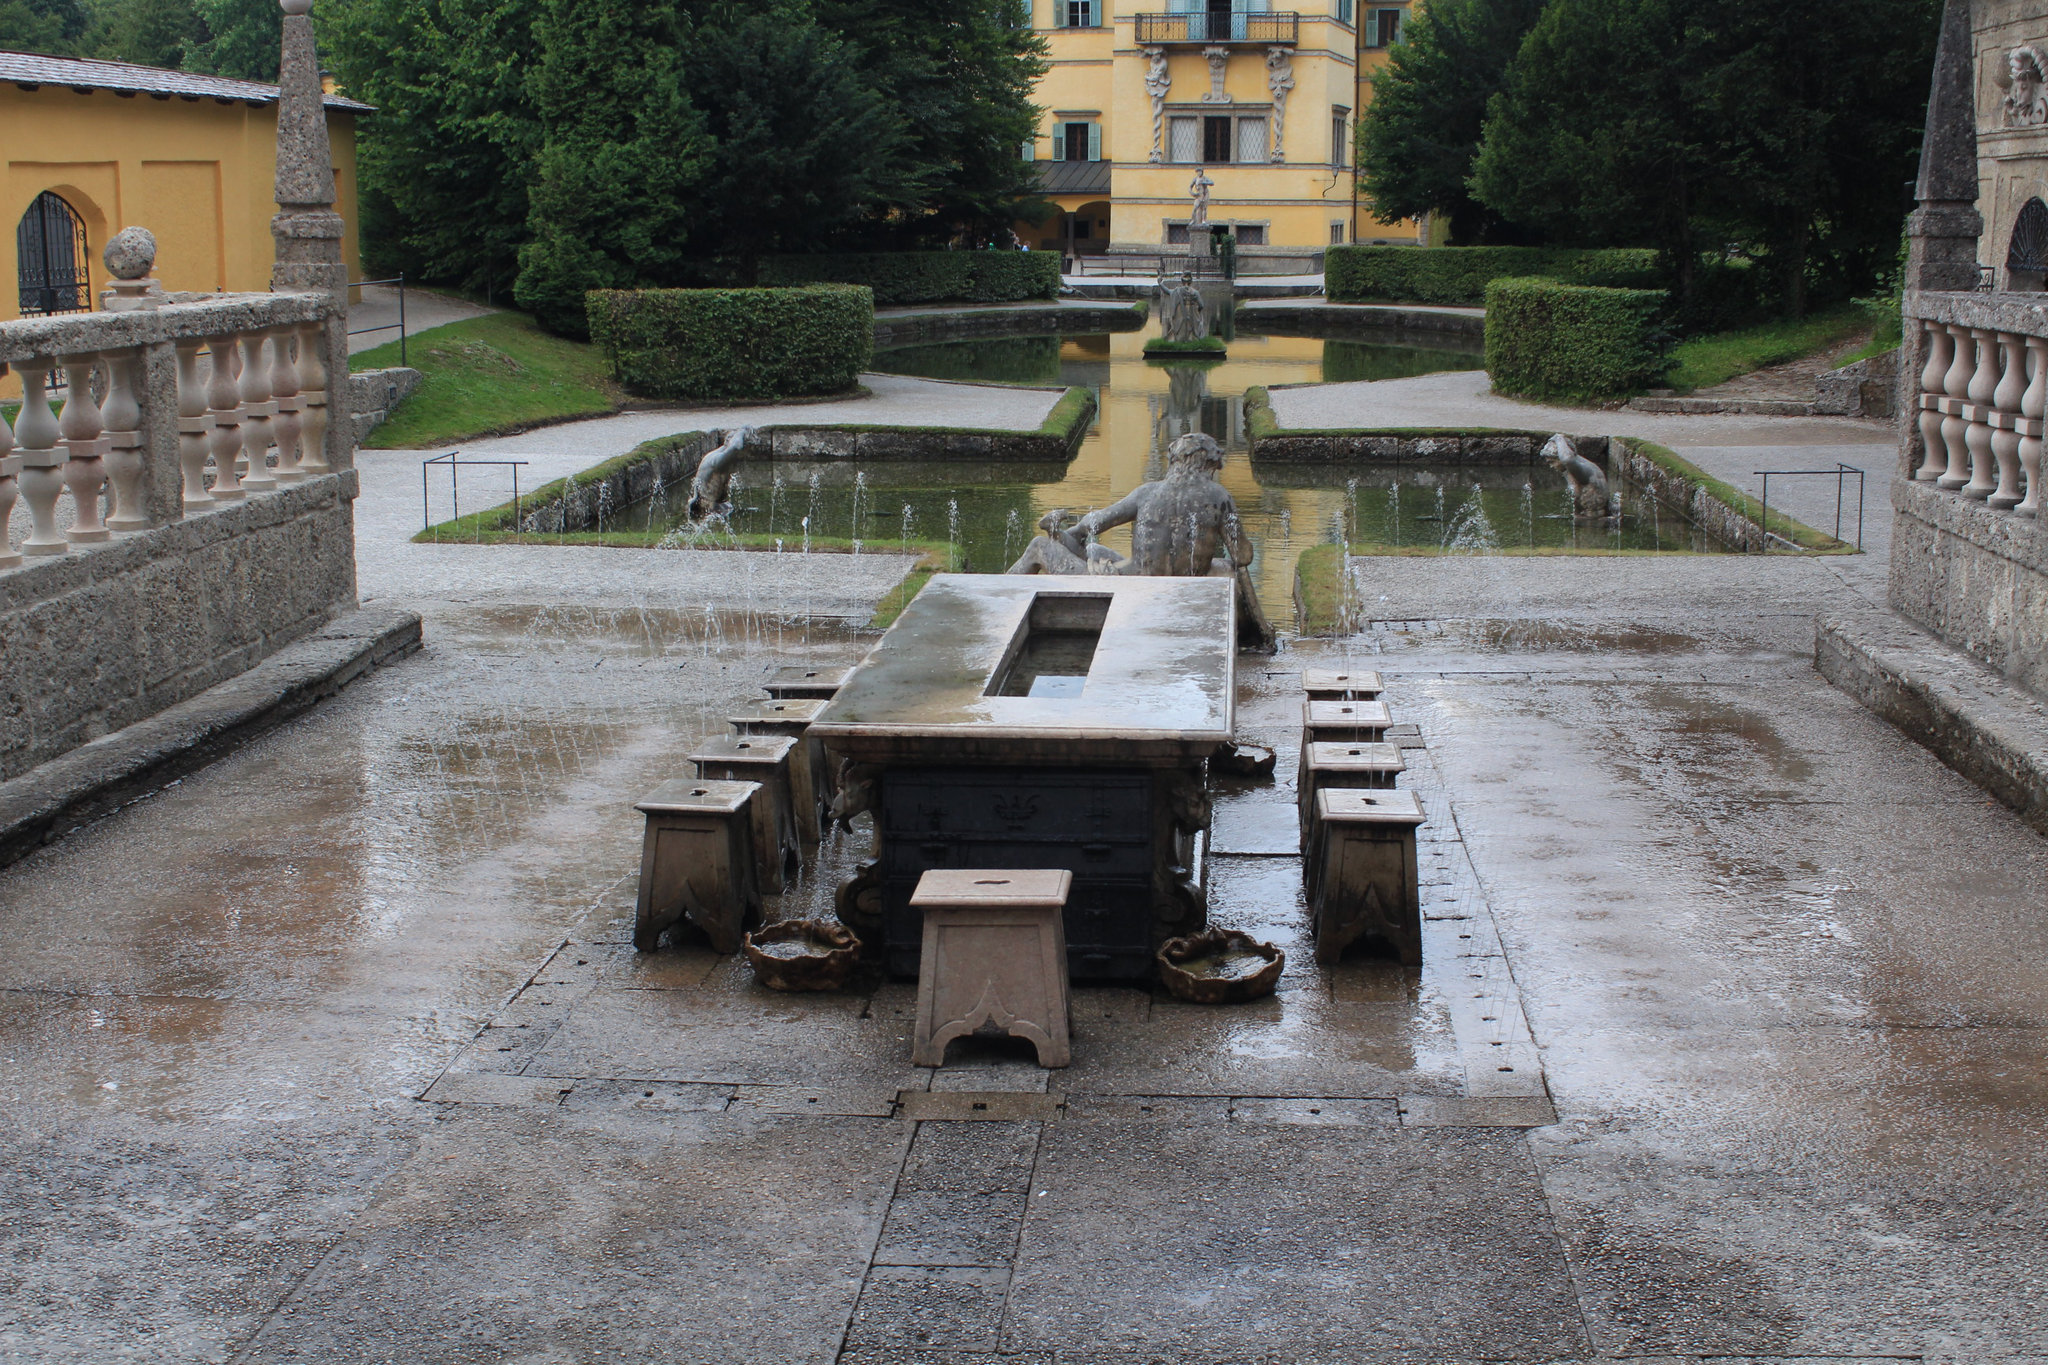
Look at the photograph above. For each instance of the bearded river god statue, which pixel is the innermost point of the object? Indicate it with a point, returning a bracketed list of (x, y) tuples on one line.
[(1180, 526)]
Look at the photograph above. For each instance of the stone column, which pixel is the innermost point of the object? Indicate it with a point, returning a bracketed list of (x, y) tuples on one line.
[(307, 230)]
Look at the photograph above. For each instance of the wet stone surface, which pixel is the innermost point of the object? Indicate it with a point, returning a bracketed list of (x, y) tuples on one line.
[(1727, 1043)]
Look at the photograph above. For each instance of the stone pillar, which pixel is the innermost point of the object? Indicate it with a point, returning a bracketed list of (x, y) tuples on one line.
[(1941, 252), (307, 230)]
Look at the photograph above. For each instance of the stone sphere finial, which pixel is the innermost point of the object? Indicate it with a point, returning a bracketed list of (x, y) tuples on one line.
[(130, 253), (296, 6)]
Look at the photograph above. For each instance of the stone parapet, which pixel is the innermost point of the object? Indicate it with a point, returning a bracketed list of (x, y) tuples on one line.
[(1974, 576), (97, 640)]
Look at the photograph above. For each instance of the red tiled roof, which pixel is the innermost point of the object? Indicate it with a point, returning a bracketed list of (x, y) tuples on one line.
[(80, 73)]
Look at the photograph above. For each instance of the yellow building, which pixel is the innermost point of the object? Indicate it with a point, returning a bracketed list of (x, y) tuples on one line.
[(1143, 94), (91, 147)]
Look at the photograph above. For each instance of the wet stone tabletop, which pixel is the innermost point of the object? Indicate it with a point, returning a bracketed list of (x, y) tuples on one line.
[(1727, 1043)]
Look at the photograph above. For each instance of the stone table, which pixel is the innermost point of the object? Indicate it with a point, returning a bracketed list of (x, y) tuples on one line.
[(1032, 721)]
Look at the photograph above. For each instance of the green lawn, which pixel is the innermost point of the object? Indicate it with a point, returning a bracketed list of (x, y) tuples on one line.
[(490, 375), (1719, 357)]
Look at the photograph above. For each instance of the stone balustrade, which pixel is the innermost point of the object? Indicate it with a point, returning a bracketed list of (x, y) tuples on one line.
[(165, 413), (1983, 387)]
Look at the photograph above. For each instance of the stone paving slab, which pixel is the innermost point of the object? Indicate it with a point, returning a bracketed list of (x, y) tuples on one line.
[(1363, 1244), (698, 1237)]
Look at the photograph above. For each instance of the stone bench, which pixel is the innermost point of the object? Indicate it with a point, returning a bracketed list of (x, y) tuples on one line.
[(1340, 684), (697, 862), (763, 759), (1368, 765), (810, 786), (1366, 880), (994, 955), (799, 683)]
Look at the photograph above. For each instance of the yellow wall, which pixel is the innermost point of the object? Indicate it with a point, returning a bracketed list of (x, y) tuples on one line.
[(1098, 74), (197, 173)]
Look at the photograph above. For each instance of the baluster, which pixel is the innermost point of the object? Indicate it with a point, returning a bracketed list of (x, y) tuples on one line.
[(1977, 439), (257, 410), (36, 432), (1941, 353), (1955, 387), (2005, 437), (284, 389), (313, 401), (10, 466), (85, 473), (123, 416), (193, 424), (2032, 404), (224, 406)]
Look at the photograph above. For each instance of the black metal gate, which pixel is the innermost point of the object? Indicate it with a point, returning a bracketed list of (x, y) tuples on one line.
[(50, 245)]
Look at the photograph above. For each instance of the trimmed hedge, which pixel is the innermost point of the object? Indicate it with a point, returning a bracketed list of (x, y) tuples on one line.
[(1545, 339), (729, 345), (1459, 275), (926, 276)]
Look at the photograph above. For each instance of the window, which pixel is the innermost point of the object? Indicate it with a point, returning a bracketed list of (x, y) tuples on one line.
[(1251, 234), (1031, 151), (1074, 13), (1251, 139), (1176, 234), (1216, 139), (1343, 11), (1336, 234), (1077, 142), (50, 253), (1383, 27), (1184, 138), (1340, 144)]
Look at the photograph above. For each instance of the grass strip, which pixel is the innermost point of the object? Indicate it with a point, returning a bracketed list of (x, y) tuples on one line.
[(472, 528), (1720, 356), (1808, 539), (487, 376)]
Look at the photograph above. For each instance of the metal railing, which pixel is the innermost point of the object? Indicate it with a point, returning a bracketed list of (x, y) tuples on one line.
[(399, 280), (1840, 474), (1218, 27), (452, 461)]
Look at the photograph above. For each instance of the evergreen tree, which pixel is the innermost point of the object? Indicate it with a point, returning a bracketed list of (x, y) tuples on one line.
[(621, 150), (52, 26), (153, 33), (244, 39), (1418, 137), (958, 76), (799, 145), (442, 167)]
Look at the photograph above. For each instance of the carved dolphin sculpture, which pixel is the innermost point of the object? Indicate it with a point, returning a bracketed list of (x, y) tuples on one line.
[(1587, 481), (714, 475)]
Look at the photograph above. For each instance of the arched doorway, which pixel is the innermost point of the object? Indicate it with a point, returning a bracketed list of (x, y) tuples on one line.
[(50, 246), (2026, 258)]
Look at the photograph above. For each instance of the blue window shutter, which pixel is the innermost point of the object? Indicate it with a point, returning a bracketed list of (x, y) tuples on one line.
[(1095, 142)]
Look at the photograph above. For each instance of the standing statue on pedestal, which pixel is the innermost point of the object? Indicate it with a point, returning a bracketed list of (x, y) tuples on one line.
[(1180, 526), (1181, 315), (1198, 189)]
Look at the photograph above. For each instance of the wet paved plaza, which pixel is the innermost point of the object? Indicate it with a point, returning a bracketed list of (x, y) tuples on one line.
[(1729, 1042)]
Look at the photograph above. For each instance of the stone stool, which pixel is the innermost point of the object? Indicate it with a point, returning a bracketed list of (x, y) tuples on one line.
[(798, 683), (810, 789), (698, 862), (1366, 880), (1348, 721), (995, 952), (1334, 684), (763, 759), (1332, 765)]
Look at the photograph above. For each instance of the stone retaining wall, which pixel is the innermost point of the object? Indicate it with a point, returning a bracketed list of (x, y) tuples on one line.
[(912, 329), (1976, 577), (106, 635), (372, 394), (1445, 447), (1689, 497), (1353, 321)]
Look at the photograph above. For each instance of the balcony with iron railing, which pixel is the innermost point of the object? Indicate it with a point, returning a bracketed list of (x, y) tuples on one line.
[(1218, 27)]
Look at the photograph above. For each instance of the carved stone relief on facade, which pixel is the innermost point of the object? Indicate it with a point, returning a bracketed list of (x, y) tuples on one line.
[(2024, 78), (1157, 83), (1279, 80), (1219, 58)]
